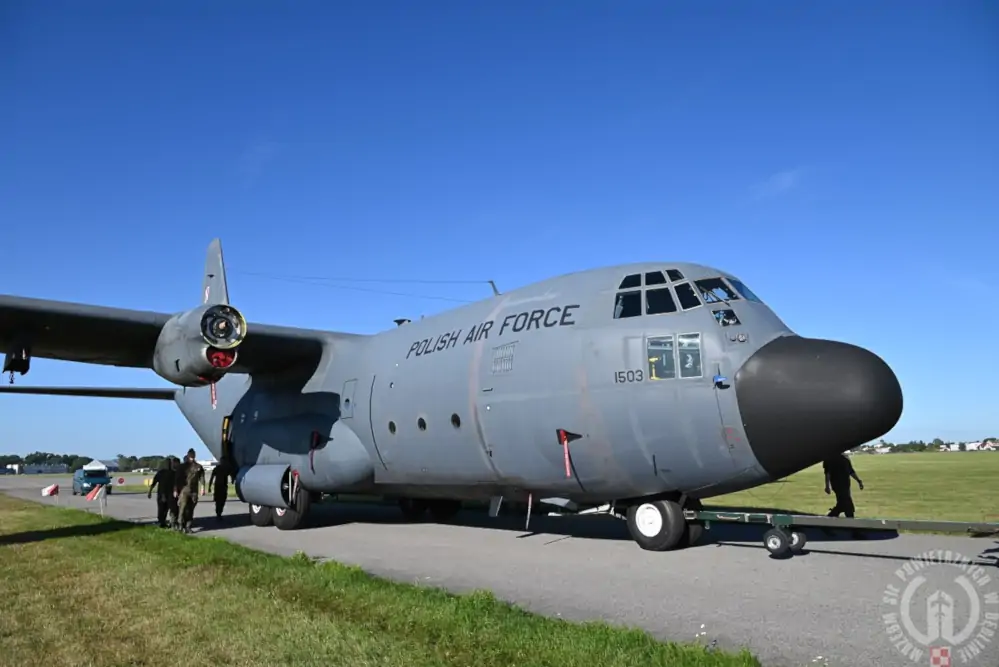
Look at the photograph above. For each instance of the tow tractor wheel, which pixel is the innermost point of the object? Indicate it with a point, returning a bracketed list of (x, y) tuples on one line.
[(413, 509), (443, 509), (292, 518), (658, 525), (777, 542), (261, 516), (798, 541)]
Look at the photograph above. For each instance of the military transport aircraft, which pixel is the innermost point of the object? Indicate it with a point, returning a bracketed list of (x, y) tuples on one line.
[(650, 385)]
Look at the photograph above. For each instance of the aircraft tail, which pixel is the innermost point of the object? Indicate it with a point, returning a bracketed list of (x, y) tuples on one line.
[(214, 289)]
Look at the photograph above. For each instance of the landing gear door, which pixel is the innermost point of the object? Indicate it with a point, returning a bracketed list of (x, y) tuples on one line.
[(226, 452)]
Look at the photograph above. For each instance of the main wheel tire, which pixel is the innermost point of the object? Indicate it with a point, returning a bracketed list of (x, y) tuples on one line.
[(693, 534), (658, 525), (695, 529), (261, 516), (413, 509), (443, 509), (293, 517)]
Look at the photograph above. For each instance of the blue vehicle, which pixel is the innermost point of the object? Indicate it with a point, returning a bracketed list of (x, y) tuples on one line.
[(85, 480)]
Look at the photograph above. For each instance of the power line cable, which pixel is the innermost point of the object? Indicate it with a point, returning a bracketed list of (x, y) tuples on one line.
[(313, 281)]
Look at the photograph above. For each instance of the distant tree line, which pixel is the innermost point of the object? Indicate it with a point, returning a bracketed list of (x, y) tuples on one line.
[(75, 461), (918, 445)]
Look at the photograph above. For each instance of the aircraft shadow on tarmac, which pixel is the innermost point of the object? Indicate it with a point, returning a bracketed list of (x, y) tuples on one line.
[(30, 536), (601, 527)]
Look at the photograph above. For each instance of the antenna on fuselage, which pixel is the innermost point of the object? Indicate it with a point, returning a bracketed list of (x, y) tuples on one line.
[(493, 285), (402, 320)]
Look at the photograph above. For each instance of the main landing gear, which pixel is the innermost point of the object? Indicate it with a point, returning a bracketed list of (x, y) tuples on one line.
[(659, 525), (284, 519)]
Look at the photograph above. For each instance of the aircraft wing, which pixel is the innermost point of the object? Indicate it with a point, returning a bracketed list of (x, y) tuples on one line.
[(121, 337)]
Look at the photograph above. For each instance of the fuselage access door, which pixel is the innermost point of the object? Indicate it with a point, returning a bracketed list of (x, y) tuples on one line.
[(526, 393)]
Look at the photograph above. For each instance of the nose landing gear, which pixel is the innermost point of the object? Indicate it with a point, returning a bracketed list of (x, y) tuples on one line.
[(659, 525)]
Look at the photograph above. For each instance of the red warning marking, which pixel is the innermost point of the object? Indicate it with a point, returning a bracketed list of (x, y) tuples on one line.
[(564, 439), (121, 480)]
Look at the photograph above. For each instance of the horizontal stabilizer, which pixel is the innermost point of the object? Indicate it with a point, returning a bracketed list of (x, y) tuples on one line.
[(96, 392)]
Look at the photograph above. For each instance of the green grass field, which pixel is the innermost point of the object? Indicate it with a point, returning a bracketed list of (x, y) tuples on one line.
[(945, 486), (81, 590)]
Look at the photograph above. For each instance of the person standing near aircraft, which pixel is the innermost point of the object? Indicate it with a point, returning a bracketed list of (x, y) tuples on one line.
[(163, 482), (174, 511), (838, 471), (220, 480), (190, 476)]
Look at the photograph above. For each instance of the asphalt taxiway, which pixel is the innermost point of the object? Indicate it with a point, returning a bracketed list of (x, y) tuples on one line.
[(823, 607)]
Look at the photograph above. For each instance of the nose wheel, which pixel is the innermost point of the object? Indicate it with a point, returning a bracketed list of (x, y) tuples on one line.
[(659, 525)]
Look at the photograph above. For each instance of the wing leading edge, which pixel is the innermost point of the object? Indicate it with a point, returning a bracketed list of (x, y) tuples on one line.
[(96, 392), (121, 337)]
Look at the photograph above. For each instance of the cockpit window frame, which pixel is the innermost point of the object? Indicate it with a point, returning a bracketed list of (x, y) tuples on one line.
[(650, 344), (731, 294), (744, 292), (670, 296), (670, 272), (626, 285), (726, 317), (693, 291), (618, 298), (661, 280), (699, 338)]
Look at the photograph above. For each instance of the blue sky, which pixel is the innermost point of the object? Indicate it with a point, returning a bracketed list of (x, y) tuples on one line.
[(842, 158)]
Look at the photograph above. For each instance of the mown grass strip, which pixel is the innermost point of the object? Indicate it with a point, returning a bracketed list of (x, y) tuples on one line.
[(943, 486), (81, 590)]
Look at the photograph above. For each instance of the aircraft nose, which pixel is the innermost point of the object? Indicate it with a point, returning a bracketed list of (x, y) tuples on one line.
[(805, 399)]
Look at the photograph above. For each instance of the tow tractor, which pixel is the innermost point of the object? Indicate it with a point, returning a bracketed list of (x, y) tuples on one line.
[(782, 539)]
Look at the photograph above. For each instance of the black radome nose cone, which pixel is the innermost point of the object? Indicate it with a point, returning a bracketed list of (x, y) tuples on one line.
[(805, 399)]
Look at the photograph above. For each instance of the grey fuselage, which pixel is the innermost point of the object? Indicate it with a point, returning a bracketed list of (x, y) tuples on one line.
[(469, 403)]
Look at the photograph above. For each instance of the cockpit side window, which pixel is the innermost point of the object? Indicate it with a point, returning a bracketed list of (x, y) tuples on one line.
[(631, 282), (714, 290), (674, 275), (685, 294), (746, 293), (628, 304), (655, 278), (689, 347)]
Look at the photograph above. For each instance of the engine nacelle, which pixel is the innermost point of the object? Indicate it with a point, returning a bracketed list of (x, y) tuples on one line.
[(269, 485), (198, 347)]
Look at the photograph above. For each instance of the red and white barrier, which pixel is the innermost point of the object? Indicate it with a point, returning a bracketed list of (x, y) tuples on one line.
[(51, 490), (98, 493)]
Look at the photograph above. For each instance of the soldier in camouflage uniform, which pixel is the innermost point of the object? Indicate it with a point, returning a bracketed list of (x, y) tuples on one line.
[(190, 476), (163, 482), (174, 511), (220, 480)]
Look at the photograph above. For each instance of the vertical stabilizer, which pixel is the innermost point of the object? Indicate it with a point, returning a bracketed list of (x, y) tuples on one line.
[(214, 289)]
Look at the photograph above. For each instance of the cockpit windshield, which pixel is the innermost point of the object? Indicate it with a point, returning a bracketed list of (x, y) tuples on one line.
[(714, 290), (746, 293)]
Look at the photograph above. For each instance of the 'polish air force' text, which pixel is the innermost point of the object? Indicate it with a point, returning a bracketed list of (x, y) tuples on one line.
[(528, 320)]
